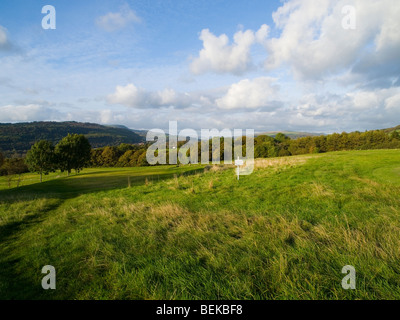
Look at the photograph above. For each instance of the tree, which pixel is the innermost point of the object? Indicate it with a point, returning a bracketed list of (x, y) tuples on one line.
[(124, 160), (1, 159), (280, 137), (73, 152), (395, 135), (12, 167), (124, 147), (40, 158), (134, 159), (109, 156), (95, 157), (142, 161)]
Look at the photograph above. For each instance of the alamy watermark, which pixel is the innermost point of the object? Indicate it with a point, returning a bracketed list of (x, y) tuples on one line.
[(349, 21), (349, 281), (49, 281), (189, 152), (49, 20)]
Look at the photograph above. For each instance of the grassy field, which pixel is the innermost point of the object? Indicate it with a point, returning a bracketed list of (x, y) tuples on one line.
[(284, 232)]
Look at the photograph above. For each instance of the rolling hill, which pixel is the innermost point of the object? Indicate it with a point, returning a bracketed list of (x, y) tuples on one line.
[(390, 130), (291, 134), (284, 232), (18, 138)]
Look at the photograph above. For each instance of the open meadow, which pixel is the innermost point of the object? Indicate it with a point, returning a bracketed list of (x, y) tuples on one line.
[(195, 232)]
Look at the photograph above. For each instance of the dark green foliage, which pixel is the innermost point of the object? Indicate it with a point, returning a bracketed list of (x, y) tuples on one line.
[(41, 158), (142, 161), (13, 166), (109, 156), (265, 146), (124, 147), (73, 152), (125, 159), (281, 137), (1, 159), (125, 155), (395, 135), (18, 138)]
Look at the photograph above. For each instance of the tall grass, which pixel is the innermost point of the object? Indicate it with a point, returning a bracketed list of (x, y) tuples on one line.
[(284, 232)]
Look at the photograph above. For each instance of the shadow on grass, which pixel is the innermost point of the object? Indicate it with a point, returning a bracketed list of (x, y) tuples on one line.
[(75, 185), (14, 284)]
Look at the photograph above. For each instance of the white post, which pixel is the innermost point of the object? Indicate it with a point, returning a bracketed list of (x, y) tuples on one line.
[(238, 163)]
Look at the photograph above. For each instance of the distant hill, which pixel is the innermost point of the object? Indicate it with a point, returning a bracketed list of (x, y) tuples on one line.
[(390, 130), (16, 139), (19, 137), (291, 134), (141, 133)]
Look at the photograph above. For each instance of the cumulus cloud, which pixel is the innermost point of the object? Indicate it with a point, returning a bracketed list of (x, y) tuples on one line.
[(361, 110), (392, 104), (314, 43), (29, 112), (114, 21), (246, 94), (132, 96), (219, 56), (249, 94)]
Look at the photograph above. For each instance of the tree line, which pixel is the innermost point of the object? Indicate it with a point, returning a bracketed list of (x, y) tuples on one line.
[(125, 155), (265, 146), (71, 153), (17, 138), (74, 151), (281, 145)]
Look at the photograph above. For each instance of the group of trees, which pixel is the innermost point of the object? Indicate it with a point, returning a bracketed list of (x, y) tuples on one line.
[(17, 138), (281, 145), (11, 168), (125, 155), (72, 152)]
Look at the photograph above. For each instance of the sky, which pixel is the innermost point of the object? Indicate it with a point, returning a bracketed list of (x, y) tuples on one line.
[(298, 65)]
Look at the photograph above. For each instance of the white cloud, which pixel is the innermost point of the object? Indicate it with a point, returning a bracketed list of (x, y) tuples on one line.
[(106, 116), (314, 44), (219, 56), (114, 21), (359, 110), (135, 97), (364, 100), (29, 112), (392, 104), (130, 96), (257, 103), (249, 94)]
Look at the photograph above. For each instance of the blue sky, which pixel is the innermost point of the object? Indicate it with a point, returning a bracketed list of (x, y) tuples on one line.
[(263, 65)]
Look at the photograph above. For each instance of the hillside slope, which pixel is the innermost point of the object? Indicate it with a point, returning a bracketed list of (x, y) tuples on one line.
[(291, 134), (283, 232), (390, 130), (19, 137)]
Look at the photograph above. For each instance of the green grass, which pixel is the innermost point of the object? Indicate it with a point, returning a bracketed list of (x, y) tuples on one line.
[(284, 232)]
